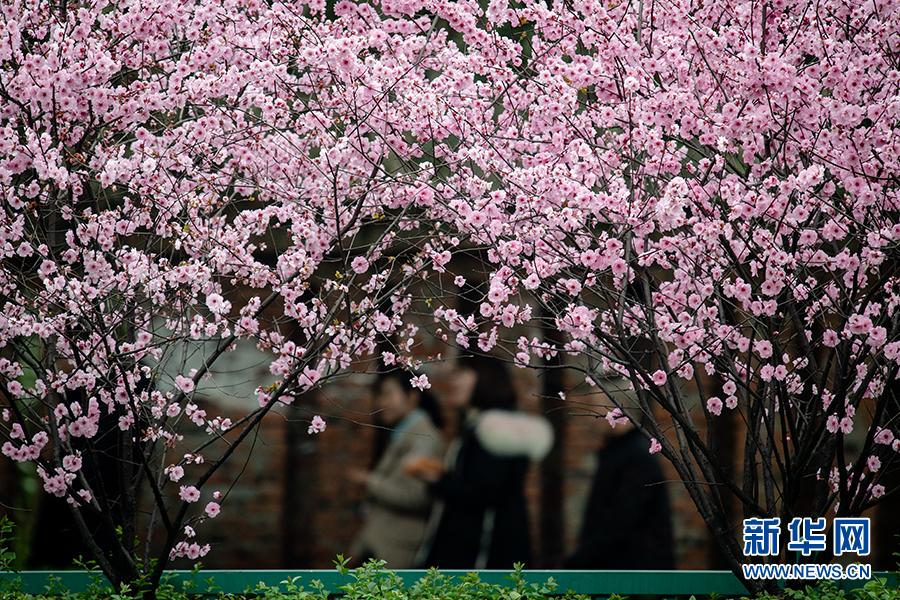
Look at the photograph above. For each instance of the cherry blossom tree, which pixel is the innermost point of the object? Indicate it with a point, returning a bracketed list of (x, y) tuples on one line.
[(703, 197), (180, 178)]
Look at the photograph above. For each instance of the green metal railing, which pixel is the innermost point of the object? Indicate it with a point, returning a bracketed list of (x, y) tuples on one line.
[(665, 584)]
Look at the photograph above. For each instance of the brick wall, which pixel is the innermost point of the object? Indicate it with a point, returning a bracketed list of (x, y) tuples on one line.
[(294, 506)]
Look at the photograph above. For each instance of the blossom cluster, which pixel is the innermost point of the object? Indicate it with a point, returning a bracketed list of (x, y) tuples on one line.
[(716, 182)]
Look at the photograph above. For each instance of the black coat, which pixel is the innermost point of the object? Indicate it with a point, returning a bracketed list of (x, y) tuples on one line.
[(627, 521), (483, 519)]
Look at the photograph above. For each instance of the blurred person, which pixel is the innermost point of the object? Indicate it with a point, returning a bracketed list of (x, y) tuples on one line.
[(399, 503), (480, 519), (627, 520)]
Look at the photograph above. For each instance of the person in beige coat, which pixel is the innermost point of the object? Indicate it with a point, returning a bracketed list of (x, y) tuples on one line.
[(399, 503)]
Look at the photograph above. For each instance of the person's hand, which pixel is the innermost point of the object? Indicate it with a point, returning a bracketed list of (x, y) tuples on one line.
[(427, 468), (360, 476)]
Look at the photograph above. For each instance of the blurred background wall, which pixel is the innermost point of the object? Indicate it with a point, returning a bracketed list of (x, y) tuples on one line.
[(287, 502)]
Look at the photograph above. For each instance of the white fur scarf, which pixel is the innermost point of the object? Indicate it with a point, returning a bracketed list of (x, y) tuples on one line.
[(511, 433)]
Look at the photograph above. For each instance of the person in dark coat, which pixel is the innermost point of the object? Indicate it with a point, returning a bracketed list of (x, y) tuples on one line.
[(480, 520), (627, 522)]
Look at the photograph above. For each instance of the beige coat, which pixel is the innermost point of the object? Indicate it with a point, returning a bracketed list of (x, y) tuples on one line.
[(400, 503)]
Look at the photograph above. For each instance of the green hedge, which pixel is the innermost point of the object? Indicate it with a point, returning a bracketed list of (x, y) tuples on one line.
[(373, 582)]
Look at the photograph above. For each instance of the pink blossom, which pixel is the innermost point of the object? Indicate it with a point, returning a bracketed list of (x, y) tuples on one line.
[(212, 509), (654, 446), (216, 304), (194, 551), (686, 371), (189, 493), (877, 491), (477, 219), (846, 425), (498, 293), (830, 338), (185, 384), (877, 337), (615, 417), (10, 450), (82, 427), (873, 463), (884, 436), (508, 317), (572, 286), (832, 424), (180, 549), (892, 351), (440, 259), (763, 348), (72, 462), (421, 382), (532, 282), (126, 421), (317, 425), (309, 377), (175, 472), (359, 265), (382, 322), (619, 267), (659, 377), (714, 405), (859, 324)]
